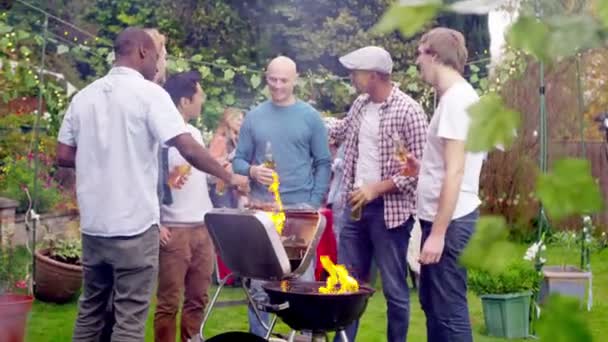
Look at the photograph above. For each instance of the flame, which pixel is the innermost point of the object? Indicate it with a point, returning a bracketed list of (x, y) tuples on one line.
[(278, 215), (339, 281), (284, 286)]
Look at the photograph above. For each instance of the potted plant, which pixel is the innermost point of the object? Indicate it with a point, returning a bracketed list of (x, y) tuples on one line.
[(506, 297), (15, 301), (571, 280), (58, 271)]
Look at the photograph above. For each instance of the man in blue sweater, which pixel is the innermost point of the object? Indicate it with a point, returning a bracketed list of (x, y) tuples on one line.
[(298, 139)]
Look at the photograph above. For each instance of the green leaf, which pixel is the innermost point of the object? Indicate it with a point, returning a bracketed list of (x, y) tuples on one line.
[(38, 39), (181, 65), (229, 99), (570, 34), (556, 36), (22, 35), (205, 71), (474, 68), (412, 71), (492, 124), (483, 83), (255, 80), (196, 58), (407, 16), (25, 51), (529, 35), (228, 74), (489, 248), (562, 321), (5, 28), (602, 11), (127, 19), (569, 189), (478, 7), (412, 87), (474, 78)]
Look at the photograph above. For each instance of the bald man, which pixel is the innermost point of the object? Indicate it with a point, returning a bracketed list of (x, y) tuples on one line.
[(298, 139), (110, 134)]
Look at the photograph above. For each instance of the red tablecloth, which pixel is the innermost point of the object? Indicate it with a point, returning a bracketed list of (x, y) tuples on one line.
[(327, 246)]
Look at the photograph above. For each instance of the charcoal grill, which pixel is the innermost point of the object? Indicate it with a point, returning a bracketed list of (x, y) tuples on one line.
[(250, 246), (303, 308)]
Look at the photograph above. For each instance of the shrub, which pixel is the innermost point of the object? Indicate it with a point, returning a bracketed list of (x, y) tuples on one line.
[(518, 277)]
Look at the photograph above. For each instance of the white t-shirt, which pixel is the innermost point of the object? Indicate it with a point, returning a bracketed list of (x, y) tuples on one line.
[(191, 202), (368, 163), (450, 121), (116, 124)]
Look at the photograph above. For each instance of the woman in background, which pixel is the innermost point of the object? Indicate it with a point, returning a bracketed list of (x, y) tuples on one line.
[(222, 147)]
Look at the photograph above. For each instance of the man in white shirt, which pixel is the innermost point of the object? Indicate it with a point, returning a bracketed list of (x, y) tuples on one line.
[(448, 183), (110, 134), (186, 250)]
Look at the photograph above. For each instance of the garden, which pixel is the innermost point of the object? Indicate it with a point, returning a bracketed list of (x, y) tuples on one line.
[(538, 262)]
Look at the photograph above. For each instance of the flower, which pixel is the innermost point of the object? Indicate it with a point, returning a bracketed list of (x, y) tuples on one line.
[(533, 251), (586, 219), (21, 284)]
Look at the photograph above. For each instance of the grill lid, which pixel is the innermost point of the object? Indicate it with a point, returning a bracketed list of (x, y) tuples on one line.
[(248, 243)]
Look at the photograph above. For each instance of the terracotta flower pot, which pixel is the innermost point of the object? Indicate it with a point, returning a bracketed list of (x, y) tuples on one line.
[(14, 311), (56, 281)]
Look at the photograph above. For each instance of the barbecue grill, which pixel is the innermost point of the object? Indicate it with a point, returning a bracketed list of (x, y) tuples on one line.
[(250, 246)]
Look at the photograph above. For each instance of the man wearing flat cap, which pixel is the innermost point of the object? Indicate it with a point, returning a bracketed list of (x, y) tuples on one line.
[(381, 200)]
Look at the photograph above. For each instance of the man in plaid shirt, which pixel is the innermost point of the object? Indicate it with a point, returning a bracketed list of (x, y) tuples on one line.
[(380, 118)]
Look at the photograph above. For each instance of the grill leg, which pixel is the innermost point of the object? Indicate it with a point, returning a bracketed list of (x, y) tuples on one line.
[(292, 336), (211, 304), (273, 321), (256, 311), (343, 336)]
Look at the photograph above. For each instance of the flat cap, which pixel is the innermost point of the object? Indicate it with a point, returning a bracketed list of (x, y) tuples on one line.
[(369, 58)]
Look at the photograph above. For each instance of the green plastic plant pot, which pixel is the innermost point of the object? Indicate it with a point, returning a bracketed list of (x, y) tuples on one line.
[(507, 315)]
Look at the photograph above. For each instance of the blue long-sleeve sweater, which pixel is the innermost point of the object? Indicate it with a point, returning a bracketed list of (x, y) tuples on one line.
[(299, 147)]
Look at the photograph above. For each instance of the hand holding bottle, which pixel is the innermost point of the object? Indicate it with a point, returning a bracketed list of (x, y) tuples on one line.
[(178, 176), (263, 173)]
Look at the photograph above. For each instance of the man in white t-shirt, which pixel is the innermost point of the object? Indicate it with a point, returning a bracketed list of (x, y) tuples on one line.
[(186, 250), (448, 183), (110, 134)]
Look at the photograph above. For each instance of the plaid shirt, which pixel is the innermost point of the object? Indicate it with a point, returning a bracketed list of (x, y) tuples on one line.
[(398, 114)]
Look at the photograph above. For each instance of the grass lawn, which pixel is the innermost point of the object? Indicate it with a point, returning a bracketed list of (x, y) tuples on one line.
[(49, 322)]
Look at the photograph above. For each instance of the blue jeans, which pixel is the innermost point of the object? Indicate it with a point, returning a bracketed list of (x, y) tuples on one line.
[(443, 286), (367, 239), (260, 296)]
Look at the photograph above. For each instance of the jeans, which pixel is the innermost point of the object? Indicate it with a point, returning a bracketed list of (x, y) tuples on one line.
[(367, 239), (127, 268), (259, 296), (443, 286)]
